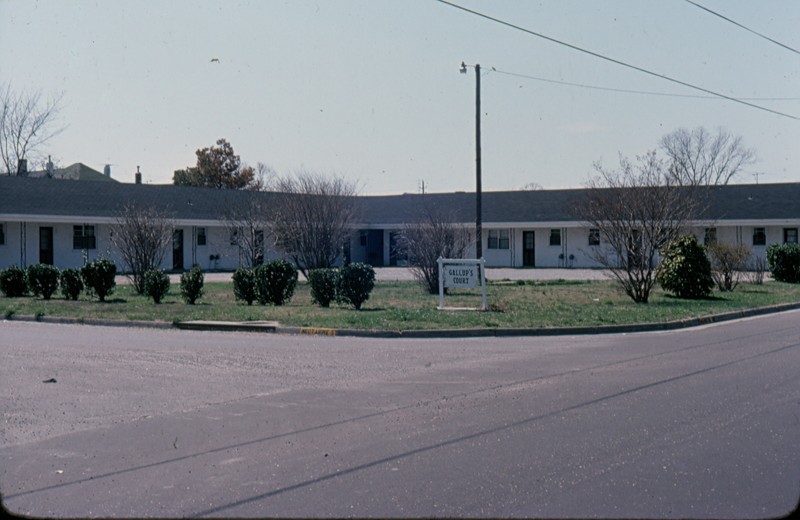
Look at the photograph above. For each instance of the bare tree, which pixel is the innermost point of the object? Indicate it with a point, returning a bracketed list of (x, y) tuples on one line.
[(637, 209), (728, 263), (434, 234), (27, 123), (246, 223), (313, 217), (699, 158), (141, 235)]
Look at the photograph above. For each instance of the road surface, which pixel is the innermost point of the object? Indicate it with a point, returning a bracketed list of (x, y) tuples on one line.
[(692, 423)]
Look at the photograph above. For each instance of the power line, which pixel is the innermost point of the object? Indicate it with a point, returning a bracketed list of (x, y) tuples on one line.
[(618, 62), (743, 27), (630, 91)]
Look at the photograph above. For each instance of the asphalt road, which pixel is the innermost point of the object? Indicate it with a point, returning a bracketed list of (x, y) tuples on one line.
[(700, 423)]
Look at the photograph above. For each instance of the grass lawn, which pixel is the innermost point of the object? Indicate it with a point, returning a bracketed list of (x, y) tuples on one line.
[(403, 306)]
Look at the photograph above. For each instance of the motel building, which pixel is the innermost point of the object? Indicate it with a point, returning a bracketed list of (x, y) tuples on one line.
[(64, 220)]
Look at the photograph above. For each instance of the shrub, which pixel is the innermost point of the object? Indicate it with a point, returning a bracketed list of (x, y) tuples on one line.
[(192, 285), (275, 282), (355, 283), (13, 281), (98, 277), (685, 270), (756, 268), (71, 283), (323, 285), (244, 285), (156, 284), (43, 280), (728, 261), (784, 262)]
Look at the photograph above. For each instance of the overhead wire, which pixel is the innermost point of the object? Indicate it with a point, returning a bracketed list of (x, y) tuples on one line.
[(618, 62), (743, 27), (630, 91)]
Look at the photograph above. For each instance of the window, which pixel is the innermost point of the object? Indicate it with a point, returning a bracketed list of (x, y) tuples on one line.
[(789, 235), (555, 237), (2, 234), (234, 237), (710, 235), (498, 239), (201, 236), (759, 236), (83, 237), (594, 237)]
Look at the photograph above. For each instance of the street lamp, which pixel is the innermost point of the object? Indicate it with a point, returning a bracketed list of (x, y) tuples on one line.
[(478, 220)]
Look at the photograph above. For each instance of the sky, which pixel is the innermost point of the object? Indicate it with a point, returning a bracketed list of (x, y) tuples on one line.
[(370, 89)]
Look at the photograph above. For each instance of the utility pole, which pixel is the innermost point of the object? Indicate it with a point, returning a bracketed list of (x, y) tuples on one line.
[(478, 210)]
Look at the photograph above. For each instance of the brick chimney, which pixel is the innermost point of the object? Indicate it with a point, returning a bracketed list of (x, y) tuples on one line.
[(22, 167), (138, 176)]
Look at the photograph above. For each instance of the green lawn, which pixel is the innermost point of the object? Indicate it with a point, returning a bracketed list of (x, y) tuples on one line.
[(403, 306)]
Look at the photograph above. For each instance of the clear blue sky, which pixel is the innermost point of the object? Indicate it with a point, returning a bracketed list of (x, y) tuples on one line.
[(370, 89)]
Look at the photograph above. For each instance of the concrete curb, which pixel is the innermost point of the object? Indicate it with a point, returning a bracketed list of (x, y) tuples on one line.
[(274, 327)]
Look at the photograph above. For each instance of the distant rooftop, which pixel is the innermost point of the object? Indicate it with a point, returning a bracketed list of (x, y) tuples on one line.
[(73, 172)]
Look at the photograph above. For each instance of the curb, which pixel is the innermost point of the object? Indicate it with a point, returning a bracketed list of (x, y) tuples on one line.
[(274, 327)]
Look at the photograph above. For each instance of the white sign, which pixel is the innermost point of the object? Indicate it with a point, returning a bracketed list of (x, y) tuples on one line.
[(461, 275)]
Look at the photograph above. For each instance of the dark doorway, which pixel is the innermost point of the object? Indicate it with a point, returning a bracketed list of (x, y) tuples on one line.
[(375, 247), (528, 249), (46, 245), (177, 250)]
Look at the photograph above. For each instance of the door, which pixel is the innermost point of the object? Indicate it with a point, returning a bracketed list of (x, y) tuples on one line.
[(375, 247), (528, 249), (46, 245), (177, 250)]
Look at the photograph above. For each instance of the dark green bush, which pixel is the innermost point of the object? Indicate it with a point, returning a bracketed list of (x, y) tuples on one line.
[(156, 284), (13, 281), (355, 284), (98, 277), (71, 283), (323, 285), (275, 282), (43, 280), (244, 285), (192, 285), (784, 262), (685, 270)]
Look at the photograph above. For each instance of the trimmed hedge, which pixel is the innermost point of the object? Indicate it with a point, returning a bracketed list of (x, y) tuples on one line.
[(43, 280), (275, 282), (685, 270), (98, 277), (356, 282), (13, 281), (323, 284), (784, 262), (156, 284), (244, 285), (71, 283), (192, 285)]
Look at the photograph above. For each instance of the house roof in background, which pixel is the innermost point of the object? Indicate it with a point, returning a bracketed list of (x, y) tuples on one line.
[(73, 172), (40, 197)]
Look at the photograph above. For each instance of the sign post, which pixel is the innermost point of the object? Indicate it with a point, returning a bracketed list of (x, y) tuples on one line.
[(464, 274)]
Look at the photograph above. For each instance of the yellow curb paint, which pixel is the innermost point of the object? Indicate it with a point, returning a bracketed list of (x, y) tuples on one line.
[(318, 331)]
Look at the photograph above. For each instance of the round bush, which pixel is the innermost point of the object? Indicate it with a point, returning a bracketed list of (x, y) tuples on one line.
[(784, 262), (43, 280), (156, 284), (244, 285), (71, 283), (323, 285), (356, 282), (275, 282), (98, 277), (685, 270), (13, 281), (192, 285)]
